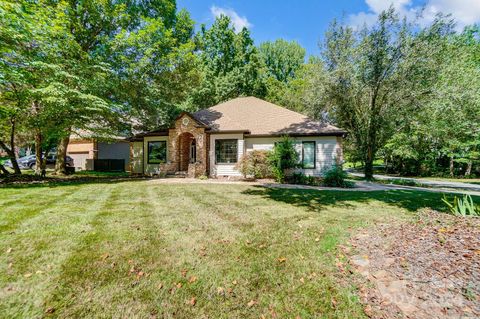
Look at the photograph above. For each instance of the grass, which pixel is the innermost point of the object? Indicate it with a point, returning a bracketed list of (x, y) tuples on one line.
[(140, 249)]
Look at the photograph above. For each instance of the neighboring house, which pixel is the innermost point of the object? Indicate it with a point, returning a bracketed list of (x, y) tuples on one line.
[(211, 141), (84, 150)]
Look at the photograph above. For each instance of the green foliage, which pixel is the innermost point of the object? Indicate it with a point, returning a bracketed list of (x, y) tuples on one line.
[(283, 158), (282, 59), (404, 182), (336, 177), (462, 206), (230, 65), (255, 163), (302, 179)]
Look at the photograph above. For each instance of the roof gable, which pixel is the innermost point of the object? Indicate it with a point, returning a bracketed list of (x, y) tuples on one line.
[(259, 117)]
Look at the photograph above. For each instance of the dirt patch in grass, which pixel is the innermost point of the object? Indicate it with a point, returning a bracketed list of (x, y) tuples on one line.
[(426, 269)]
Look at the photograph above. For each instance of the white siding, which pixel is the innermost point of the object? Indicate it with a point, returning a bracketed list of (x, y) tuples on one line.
[(326, 149), (225, 169), (150, 169)]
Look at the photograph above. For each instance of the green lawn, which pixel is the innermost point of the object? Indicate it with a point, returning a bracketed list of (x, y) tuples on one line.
[(138, 249)]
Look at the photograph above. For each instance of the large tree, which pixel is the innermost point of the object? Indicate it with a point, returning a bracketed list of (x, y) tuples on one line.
[(373, 75), (230, 64)]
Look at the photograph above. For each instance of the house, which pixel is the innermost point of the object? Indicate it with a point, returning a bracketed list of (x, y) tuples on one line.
[(84, 148), (211, 141)]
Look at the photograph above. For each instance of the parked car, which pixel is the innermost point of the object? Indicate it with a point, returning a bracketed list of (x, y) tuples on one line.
[(29, 161)]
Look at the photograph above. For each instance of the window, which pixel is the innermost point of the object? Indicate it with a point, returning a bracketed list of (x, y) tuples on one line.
[(226, 151), (308, 155), (157, 152), (193, 152)]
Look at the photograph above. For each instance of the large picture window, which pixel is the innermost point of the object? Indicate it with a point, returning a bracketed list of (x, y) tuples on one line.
[(308, 155), (226, 151), (157, 152)]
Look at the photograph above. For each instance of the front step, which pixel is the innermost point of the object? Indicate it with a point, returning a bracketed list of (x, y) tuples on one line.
[(180, 174)]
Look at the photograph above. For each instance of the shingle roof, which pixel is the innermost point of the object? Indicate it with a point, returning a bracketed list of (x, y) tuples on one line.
[(259, 117)]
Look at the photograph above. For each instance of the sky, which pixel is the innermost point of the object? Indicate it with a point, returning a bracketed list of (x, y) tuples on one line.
[(306, 21)]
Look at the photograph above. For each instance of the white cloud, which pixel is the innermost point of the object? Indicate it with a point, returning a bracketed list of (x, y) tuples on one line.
[(463, 11), (238, 22)]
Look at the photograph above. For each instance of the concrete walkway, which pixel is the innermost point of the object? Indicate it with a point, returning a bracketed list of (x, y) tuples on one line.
[(427, 182)]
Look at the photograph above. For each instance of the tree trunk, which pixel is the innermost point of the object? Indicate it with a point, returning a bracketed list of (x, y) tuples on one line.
[(368, 170), (13, 158), (38, 152), (451, 167), (468, 172), (60, 164), (4, 170), (11, 150)]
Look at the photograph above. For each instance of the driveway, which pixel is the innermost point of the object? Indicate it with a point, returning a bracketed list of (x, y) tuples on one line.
[(427, 182)]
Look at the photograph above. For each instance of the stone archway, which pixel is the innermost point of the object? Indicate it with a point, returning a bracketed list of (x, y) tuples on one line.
[(185, 141)]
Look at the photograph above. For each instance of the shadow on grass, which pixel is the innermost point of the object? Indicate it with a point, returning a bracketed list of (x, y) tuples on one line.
[(35, 181), (316, 200)]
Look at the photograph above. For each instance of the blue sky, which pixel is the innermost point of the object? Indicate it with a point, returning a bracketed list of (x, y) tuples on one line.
[(307, 20)]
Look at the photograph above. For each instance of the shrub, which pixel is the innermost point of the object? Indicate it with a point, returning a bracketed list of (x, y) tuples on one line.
[(302, 179), (404, 182), (336, 177), (283, 158), (255, 163), (462, 206)]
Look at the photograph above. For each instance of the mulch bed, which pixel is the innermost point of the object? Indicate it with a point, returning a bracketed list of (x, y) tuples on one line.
[(426, 269)]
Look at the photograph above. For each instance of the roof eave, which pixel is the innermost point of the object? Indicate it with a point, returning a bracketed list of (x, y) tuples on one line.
[(298, 134)]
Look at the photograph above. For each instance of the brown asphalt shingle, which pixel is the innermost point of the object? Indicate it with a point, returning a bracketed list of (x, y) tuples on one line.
[(260, 117)]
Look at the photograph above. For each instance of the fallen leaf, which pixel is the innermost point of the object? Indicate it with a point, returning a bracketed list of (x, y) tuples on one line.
[(334, 303), (302, 280), (220, 290), (234, 282), (368, 310), (105, 256), (39, 272), (160, 286), (317, 239), (251, 303), (282, 259), (184, 272), (192, 279), (27, 275), (193, 301), (50, 310), (179, 285), (9, 250)]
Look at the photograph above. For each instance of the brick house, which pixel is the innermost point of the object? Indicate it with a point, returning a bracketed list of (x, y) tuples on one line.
[(211, 141)]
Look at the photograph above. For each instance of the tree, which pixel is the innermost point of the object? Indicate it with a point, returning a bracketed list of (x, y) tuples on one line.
[(373, 75), (443, 133), (283, 158), (282, 59), (230, 64)]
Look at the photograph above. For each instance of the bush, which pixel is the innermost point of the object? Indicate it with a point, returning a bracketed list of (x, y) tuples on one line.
[(302, 179), (404, 182), (283, 158), (336, 177), (256, 164)]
